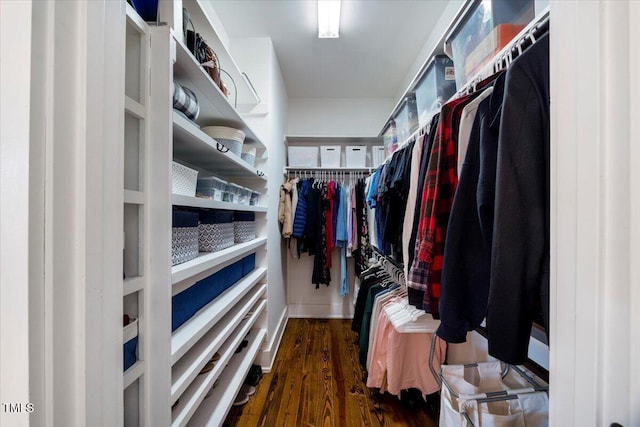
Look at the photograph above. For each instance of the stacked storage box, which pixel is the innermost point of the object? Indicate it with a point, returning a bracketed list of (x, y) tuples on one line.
[(215, 230), (435, 88), (184, 236), (244, 226), (187, 303)]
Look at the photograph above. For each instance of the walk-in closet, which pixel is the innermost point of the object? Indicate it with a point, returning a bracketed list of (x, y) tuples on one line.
[(319, 213)]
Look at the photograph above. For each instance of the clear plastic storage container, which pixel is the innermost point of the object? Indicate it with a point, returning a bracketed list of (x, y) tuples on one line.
[(437, 85), (211, 188), (407, 118), (390, 139), (486, 29)]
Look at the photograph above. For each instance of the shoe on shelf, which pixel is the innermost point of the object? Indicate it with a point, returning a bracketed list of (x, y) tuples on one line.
[(210, 364), (242, 345), (254, 376), (241, 399), (247, 389)]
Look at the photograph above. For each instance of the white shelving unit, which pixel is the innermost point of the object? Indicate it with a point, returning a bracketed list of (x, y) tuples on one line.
[(136, 276), (163, 387)]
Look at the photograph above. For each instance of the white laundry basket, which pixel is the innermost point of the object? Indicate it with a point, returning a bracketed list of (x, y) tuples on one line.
[(486, 394)]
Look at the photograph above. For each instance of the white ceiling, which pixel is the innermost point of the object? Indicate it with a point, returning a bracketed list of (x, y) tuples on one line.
[(379, 41)]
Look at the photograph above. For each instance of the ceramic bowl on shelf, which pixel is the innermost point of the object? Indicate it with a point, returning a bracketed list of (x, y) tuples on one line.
[(229, 137)]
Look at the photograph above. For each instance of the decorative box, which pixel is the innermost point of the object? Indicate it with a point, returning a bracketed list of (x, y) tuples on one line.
[(184, 180), (215, 231), (244, 226), (184, 236)]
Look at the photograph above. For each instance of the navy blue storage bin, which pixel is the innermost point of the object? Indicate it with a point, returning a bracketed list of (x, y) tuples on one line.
[(244, 216), (234, 272), (184, 218), (248, 264), (183, 307), (215, 216), (130, 353)]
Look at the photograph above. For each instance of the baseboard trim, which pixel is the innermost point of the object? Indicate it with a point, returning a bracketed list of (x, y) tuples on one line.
[(320, 311), (268, 355)]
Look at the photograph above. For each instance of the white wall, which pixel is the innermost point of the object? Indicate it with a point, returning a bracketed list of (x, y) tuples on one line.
[(595, 213), (15, 72), (257, 58), (337, 116)]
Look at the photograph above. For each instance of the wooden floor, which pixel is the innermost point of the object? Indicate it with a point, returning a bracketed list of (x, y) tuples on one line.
[(317, 381)]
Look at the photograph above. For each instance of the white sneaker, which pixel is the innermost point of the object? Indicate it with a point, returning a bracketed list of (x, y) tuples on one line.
[(247, 389), (241, 399)]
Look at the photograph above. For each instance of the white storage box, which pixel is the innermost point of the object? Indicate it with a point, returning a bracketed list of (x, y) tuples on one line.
[(183, 180), (377, 155), (330, 156), (306, 157), (356, 156)]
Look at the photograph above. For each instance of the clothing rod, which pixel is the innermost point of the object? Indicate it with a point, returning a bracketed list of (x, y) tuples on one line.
[(395, 263)]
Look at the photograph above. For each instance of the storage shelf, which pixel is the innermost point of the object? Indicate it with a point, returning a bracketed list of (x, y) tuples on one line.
[(133, 373), (188, 367), (134, 197), (195, 147), (326, 169), (208, 260), (215, 108), (134, 108), (193, 397), (205, 27), (136, 20), (198, 202), (332, 140), (214, 411), (131, 285), (195, 328)]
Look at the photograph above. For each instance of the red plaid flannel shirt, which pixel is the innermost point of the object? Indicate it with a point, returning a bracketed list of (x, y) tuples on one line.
[(437, 198)]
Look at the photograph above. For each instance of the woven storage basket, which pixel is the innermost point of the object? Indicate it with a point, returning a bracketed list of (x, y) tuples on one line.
[(184, 236), (244, 227), (215, 230), (184, 180)]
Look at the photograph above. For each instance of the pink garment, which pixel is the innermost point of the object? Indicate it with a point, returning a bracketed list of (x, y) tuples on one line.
[(404, 357)]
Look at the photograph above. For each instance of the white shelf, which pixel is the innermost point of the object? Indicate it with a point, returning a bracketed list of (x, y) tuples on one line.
[(133, 373), (209, 260), (195, 147), (132, 284), (188, 367), (332, 140), (326, 169), (198, 202), (215, 108), (134, 197), (134, 108), (136, 20), (195, 328), (214, 411), (204, 26), (193, 397)]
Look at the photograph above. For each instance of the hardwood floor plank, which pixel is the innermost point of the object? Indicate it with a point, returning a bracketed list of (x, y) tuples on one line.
[(317, 381)]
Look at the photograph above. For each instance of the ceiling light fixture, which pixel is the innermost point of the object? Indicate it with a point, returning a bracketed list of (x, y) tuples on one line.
[(328, 19)]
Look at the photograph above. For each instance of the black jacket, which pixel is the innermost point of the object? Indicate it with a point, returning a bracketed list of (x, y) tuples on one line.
[(519, 288)]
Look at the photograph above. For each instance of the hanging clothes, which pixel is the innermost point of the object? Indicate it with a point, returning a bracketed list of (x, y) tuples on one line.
[(467, 258), (519, 290), (284, 209), (293, 243)]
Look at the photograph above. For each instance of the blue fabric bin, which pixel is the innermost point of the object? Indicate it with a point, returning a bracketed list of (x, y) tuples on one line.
[(183, 307), (130, 353), (248, 264), (244, 216)]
